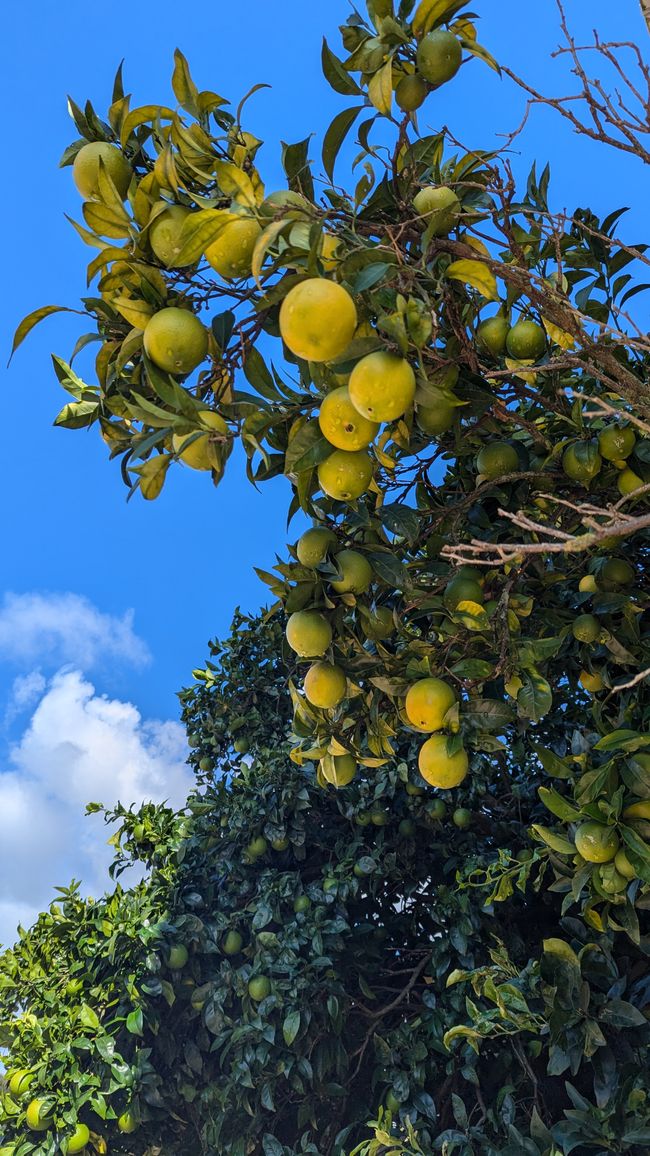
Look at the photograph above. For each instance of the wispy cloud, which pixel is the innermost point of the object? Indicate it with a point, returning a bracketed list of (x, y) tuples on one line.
[(54, 629)]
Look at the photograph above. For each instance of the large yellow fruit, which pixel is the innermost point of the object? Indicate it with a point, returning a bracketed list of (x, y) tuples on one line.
[(411, 92), (497, 459), (439, 207), (345, 476), (592, 682), (345, 769), (85, 170), (356, 573), (164, 233), (308, 633), (439, 56), (175, 340), (440, 769), (382, 386), (526, 341), (596, 842), (231, 254), (616, 444), (318, 319), (492, 334), (427, 703), (78, 1139), (342, 424), (581, 461), (312, 547), (36, 1116), (325, 685), (195, 451)]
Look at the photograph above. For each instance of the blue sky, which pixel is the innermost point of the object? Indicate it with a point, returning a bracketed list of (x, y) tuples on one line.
[(76, 558)]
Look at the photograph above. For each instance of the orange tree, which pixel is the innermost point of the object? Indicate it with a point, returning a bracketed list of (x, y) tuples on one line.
[(425, 889)]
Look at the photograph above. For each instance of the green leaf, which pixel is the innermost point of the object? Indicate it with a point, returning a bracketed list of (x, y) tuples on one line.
[(429, 13), (535, 698), (185, 90), (291, 1027), (553, 765), (477, 274), (555, 842), (32, 319), (258, 375), (335, 135), (336, 75), (134, 1022), (622, 740), (558, 805), (618, 1013), (480, 52), (389, 568), (198, 232), (89, 1018), (380, 88), (371, 275), (295, 162), (307, 448)]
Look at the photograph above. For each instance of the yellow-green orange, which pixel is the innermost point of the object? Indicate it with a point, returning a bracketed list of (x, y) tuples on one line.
[(127, 1122), (175, 340), (308, 633), (596, 842), (628, 482), (329, 249), (623, 865), (345, 769), (586, 628), (20, 1081), (581, 461), (85, 170), (462, 589), (439, 56), (165, 231), (440, 769), (616, 572), (177, 956), (497, 459), (231, 253), (356, 573), (439, 207), (325, 685), (410, 93), (427, 703), (379, 624), (259, 988), (616, 443), (342, 424), (232, 943), (437, 418), (382, 386), (587, 584), (491, 335), (36, 1116), (194, 448), (345, 476), (526, 341), (592, 682), (78, 1139), (312, 547), (318, 319)]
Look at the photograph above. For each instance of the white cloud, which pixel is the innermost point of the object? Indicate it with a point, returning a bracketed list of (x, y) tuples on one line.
[(66, 628), (26, 689), (78, 747)]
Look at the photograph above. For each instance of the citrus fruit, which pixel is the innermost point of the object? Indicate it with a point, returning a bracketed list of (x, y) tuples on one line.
[(639, 810), (379, 817), (195, 450), (257, 847), (36, 1116), (497, 459), (328, 252), (588, 584), (345, 769), (436, 419), (623, 865), (20, 1081), (411, 92), (232, 943), (586, 628), (127, 1122), (596, 842), (382, 386), (138, 832), (439, 207), (611, 880), (427, 703), (325, 685), (362, 819), (330, 883), (462, 818), (462, 589), (85, 170), (177, 956), (628, 482), (439, 56), (242, 746), (356, 573), (526, 341), (342, 424), (437, 810), (318, 319), (231, 254), (308, 633), (259, 988), (406, 828), (175, 340), (616, 572), (616, 443), (345, 476), (581, 461), (283, 199), (280, 844), (491, 335), (301, 904), (440, 769), (379, 624), (312, 547), (165, 231), (593, 683), (413, 790), (78, 1139)]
